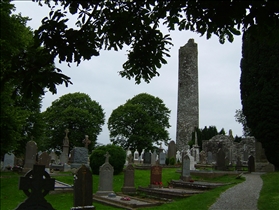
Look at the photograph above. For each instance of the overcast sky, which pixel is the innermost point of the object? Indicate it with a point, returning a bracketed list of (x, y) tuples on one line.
[(219, 76)]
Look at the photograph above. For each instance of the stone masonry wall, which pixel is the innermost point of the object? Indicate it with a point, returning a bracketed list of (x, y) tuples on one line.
[(188, 94)]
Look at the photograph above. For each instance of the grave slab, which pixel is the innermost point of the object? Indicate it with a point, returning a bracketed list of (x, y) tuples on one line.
[(195, 185), (133, 203), (169, 192)]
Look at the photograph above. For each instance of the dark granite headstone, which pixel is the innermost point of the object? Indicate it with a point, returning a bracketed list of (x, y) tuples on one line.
[(30, 155), (172, 150), (36, 184), (129, 180), (106, 178), (251, 164), (155, 176), (83, 189), (147, 158), (80, 157), (221, 161)]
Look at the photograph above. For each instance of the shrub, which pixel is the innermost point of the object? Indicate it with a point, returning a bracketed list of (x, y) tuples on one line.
[(172, 161), (167, 161), (117, 158)]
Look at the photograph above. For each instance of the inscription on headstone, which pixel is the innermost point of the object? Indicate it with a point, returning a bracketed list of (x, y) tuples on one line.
[(155, 176)]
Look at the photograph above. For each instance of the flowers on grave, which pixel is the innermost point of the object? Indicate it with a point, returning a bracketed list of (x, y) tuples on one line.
[(191, 180), (158, 184), (125, 198)]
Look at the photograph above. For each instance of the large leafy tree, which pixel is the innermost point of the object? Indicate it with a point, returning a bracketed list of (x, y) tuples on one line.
[(19, 117), (113, 24), (139, 123), (29, 67), (76, 112), (260, 86)]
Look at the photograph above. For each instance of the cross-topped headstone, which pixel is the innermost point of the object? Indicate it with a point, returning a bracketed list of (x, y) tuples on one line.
[(107, 155), (36, 184), (66, 139), (86, 141)]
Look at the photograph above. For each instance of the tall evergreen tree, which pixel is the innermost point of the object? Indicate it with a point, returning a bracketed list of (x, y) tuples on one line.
[(260, 86)]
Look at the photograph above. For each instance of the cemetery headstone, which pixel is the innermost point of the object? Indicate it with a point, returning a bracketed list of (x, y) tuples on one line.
[(86, 141), (251, 164), (238, 164), (44, 159), (83, 189), (209, 157), (36, 184), (129, 180), (30, 155), (155, 176), (202, 157), (172, 150), (106, 178), (136, 156), (53, 157), (64, 157), (80, 157), (162, 158), (185, 173), (128, 153), (221, 161), (153, 157), (147, 158), (9, 161)]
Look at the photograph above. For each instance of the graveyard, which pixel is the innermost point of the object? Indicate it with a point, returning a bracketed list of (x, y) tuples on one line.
[(11, 196), (159, 179)]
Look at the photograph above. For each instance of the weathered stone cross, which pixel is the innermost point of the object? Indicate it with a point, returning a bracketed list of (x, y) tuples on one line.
[(107, 155), (66, 131), (86, 141), (39, 183)]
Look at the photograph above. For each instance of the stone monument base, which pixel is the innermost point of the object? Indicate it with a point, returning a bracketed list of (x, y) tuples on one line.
[(83, 207), (185, 178), (78, 165), (102, 193), (129, 190)]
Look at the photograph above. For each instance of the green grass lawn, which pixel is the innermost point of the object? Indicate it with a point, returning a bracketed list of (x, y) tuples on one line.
[(11, 196)]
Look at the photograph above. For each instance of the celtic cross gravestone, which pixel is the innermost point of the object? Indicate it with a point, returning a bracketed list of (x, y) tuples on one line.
[(36, 184)]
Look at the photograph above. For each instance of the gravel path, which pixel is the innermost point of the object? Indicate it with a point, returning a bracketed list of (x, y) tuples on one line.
[(243, 196)]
